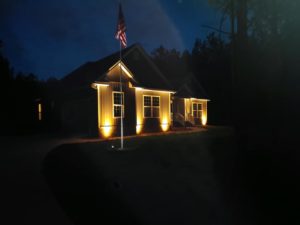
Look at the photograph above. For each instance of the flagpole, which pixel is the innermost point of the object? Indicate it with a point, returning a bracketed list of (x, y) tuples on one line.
[(122, 96), (121, 35)]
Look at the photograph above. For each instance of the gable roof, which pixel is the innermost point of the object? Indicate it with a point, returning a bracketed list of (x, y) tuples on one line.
[(87, 73), (140, 65), (191, 88), (145, 72)]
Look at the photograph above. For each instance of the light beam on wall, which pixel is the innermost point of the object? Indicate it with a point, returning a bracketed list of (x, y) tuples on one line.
[(139, 125), (138, 128), (165, 124), (204, 120), (40, 111), (106, 130)]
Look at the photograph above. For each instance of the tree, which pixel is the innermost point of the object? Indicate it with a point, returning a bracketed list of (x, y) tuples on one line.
[(5, 69), (171, 63), (209, 63), (6, 80), (211, 66), (18, 94), (265, 46)]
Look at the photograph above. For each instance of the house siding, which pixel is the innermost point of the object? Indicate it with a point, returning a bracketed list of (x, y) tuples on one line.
[(107, 124), (105, 121), (139, 76), (152, 124), (189, 111)]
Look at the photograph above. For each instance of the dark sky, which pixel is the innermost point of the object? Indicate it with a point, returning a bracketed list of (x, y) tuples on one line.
[(54, 37)]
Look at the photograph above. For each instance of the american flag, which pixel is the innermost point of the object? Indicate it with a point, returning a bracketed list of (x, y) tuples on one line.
[(121, 28)]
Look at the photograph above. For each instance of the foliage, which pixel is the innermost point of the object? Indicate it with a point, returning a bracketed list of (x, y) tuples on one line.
[(211, 66), (209, 63), (172, 63), (19, 96), (266, 72)]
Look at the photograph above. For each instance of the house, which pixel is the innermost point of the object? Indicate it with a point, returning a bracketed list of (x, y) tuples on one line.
[(96, 100), (190, 103)]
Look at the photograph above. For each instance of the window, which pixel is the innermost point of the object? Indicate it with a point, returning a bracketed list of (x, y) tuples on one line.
[(118, 104), (40, 111), (197, 110), (151, 106)]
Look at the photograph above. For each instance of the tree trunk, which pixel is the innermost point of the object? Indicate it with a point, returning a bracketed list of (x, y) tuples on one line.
[(242, 21)]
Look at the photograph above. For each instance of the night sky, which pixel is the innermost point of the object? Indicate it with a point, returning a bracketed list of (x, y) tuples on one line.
[(52, 38)]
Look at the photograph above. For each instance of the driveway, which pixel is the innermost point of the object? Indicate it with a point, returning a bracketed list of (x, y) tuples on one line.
[(25, 196)]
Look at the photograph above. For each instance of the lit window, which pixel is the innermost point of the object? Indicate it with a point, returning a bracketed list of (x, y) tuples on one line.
[(40, 111), (197, 110), (118, 104), (151, 106)]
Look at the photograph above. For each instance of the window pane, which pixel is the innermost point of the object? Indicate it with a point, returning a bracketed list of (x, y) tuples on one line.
[(147, 101), (118, 98), (155, 111), (117, 111), (194, 106), (147, 111), (195, 113), (155, 101), (199, 106)]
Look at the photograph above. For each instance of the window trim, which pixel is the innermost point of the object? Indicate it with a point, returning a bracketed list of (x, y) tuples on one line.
[(151, 106), (197, 110), (122, 106)]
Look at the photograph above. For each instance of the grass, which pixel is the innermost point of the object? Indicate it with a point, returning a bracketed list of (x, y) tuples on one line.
[(205, 177), (176, 178), (169, 179)]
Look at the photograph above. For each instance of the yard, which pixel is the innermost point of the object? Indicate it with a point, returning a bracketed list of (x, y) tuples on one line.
[(197, 177), (169, 179)]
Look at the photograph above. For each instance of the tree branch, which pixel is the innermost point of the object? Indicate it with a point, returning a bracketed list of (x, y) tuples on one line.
[(216, 29)]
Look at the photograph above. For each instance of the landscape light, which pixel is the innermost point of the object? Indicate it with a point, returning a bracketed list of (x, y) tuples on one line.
[(165, 125), (203, 120)]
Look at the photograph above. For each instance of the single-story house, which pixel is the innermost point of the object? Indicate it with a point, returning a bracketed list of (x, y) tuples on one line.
[(100, 93)]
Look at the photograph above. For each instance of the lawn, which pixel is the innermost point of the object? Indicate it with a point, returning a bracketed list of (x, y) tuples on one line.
[(168, 179)]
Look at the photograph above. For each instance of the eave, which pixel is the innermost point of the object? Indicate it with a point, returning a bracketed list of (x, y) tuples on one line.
[(154, 89), (97, 84), (201, 99)]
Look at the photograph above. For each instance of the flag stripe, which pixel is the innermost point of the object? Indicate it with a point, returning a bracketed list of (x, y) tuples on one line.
[(121, 28)]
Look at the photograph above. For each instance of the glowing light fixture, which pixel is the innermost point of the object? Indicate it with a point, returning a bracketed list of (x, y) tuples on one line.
[(106, 129), (139, 128), (204, 120), (165, 125), (139, 125)]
